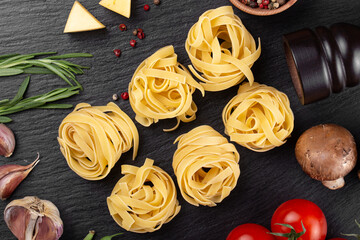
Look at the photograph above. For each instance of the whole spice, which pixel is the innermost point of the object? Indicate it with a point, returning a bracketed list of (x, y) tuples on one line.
[(122, 27), (264, 4), (141, 35), (146, 7), (18, 103), (115, 97), (156, 2), (12, 175), (32, 218), (117, 52), (7, 141), (135, 32), (140, 30), (125, 95), (132, 42)]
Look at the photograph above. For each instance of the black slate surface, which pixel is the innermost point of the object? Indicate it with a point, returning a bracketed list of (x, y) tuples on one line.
[(267, 179)]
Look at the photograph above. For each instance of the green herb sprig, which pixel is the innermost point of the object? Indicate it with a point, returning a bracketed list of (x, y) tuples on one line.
[(18, 103), (15, 64)]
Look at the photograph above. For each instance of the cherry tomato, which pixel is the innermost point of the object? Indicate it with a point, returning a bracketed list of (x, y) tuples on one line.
[(295, 211), (250, 231)]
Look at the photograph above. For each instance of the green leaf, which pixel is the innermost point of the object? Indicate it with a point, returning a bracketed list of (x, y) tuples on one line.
[(37, 70), (90, 235), (56, 106), (51, 68), (4, 56), (4, 101), (71, 55), (110, 237), (21, 91), (5, 119), (10, 71)]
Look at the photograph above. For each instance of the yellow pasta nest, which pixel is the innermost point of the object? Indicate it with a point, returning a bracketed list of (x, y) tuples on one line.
[(206, 166), (144, 199), (92, 139), (162, 88), (220, 47), (259, 117)]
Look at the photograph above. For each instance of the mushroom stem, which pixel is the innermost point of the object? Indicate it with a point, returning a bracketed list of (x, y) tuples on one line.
[(335, 184)]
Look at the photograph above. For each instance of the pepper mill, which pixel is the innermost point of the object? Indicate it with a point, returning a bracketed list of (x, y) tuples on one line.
[(323, 61)]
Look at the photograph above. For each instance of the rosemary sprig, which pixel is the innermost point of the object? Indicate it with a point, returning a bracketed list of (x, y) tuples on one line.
[(14, 64), (19, 103)]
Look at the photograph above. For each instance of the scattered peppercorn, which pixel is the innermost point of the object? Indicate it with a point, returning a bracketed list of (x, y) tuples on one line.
[(135, 32), (115, 97), (117, 52), (122, 27), (146, 7), (156, 2), (141, 35), (139, 30), (125, 96), (264, 4), (132, 42)]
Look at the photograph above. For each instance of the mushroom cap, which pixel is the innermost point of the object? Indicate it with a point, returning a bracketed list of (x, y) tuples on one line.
[(326, 152)]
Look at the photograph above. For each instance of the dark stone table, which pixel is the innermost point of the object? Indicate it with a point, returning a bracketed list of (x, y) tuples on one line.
[(266, 180)]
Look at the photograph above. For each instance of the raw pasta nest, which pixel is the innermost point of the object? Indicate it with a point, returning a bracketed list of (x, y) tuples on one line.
[(162, 88), (144, 199), (206, 166), (92, 139), (259, 117), (220, 47)]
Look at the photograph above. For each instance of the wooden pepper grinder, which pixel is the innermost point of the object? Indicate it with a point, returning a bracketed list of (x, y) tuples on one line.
[(323, 61)]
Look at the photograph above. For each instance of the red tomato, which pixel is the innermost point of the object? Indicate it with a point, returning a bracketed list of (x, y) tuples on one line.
[(294, 212), (250, 231)]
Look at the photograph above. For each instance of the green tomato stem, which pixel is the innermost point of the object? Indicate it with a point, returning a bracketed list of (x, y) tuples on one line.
[(90, 235)]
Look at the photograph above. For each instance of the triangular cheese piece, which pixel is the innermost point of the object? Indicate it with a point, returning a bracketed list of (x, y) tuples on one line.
[(122, 7), (81, 20)]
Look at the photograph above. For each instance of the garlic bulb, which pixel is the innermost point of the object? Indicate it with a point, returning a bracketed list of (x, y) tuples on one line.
[(31, 218), (7, 141)]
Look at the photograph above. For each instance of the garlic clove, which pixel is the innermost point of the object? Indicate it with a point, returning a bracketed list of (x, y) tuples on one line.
[(7, 141), (12, 175), (18, 217), (31, 218)]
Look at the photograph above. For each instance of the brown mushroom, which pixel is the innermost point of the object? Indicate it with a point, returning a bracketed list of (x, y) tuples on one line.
[(327, 153)]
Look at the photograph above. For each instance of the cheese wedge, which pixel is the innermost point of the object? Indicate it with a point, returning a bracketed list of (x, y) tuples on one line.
[(81, 20), (122, 7)]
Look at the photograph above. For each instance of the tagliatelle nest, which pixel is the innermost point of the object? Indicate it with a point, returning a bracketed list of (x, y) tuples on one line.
[(144, 199), (92, 139), (206, 166), (259, 117), (221, 49), (162, 88)]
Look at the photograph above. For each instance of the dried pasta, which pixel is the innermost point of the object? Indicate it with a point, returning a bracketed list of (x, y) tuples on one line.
[(162, 88), (144, 199), (259, 117), (220, 47), (92, 139), (206, 166)]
